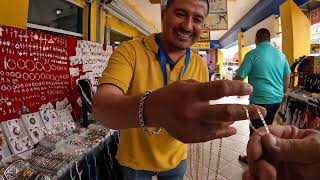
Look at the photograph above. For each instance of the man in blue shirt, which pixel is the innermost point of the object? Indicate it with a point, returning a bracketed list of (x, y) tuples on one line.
[(268, 72)]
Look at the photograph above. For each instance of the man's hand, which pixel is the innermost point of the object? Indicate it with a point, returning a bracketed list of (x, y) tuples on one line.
[(183, 109), (288, 154)]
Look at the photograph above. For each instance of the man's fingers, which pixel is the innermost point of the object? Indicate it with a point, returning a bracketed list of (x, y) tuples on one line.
[(226, 112), (248, 176), (229, 131), (217, 89), (263, 170), (219, 133), (254, 148), (290, 150), (290, 132)]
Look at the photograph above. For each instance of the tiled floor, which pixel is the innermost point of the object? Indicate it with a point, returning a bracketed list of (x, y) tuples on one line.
[(232, 147), (230, 168)]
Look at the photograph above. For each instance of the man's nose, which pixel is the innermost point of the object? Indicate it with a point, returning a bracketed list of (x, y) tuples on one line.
[(187, 24)]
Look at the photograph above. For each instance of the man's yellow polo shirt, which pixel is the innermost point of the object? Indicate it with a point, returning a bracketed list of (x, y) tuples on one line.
[(135, 68)]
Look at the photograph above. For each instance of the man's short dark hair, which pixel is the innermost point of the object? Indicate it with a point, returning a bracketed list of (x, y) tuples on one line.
[(263, 35), (170, 2)]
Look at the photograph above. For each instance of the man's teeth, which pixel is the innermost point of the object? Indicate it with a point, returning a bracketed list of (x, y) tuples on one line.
[(184, 35)]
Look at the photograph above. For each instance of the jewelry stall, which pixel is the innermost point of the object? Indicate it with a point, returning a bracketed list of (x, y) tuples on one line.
[(301, 107), (39, 103)]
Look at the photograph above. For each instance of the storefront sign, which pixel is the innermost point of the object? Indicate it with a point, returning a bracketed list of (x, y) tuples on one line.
[(205, 36), (315, 33), (314, 16), (201, 45), (218, 17)]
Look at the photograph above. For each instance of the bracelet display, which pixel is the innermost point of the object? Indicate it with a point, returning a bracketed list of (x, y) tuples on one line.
[(141, 116)]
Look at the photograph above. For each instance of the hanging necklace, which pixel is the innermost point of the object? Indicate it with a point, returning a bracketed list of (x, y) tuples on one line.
[(220, 143), (261, 117)]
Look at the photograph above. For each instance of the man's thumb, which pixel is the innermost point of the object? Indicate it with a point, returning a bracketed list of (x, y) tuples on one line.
[(285, 150)]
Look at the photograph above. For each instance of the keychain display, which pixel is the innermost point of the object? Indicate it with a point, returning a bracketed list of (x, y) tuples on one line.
[(66, 119), (16, 135), (35, 126), (49, 116)]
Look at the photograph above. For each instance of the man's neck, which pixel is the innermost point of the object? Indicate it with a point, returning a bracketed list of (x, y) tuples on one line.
[(174, 53)]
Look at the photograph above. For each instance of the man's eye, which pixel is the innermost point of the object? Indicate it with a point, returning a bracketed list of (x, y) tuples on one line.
[(198, 20), (179, 14)]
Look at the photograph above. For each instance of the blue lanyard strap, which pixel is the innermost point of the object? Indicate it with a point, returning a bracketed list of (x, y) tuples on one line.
[(163, 59)]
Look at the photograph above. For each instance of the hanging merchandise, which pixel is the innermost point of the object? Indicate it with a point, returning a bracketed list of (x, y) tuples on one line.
[(88, 63), (301, 109), (34, 71), (92, 59)]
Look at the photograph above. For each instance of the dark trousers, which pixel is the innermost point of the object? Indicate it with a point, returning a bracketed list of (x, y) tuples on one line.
[(174, 174), (271, 111)]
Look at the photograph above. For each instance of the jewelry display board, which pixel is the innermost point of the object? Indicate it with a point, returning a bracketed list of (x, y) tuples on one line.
[(16, 136), (34, 70), (35, 126), (87, 61)]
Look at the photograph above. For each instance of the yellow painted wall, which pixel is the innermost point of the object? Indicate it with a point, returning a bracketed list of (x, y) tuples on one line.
[(240, 46), (151, 23), (94, 22), (220, 62), (14, 13), (122, 27), (242, 50), (295, 31)]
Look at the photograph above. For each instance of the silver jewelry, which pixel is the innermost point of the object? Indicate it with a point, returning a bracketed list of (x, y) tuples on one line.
[(37, 76), (11, 67), (9, 88), (3, 88), (141, 116), (261, 117), (31, 76), (12, 74), (53, 67), (47, 69), (18, 75), (33, 66), (39, 66), (25, 76), (42, 76)]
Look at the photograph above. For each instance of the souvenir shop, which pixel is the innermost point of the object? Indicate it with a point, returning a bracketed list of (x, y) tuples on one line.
[(49, 67), (301, 107)]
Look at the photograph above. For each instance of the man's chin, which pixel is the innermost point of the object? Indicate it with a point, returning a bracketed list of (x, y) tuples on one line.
[(182, 46)]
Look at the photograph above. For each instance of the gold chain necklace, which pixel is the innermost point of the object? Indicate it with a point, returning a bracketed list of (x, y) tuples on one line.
[(218, 159)]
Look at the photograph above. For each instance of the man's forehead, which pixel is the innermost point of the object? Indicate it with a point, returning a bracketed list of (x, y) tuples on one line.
[(196, 4)]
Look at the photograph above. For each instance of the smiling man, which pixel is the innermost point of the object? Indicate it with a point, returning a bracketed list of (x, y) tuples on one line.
[(157, 81)]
